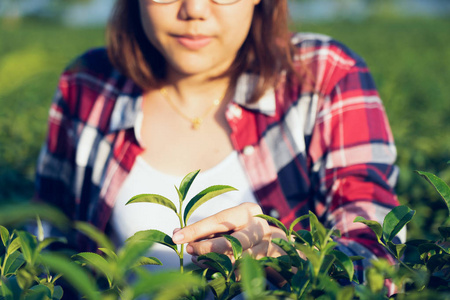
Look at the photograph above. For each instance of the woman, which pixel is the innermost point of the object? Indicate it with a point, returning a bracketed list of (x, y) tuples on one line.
[(293, 121)]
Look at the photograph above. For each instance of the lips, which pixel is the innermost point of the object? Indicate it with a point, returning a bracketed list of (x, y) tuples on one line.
[(193, 42)]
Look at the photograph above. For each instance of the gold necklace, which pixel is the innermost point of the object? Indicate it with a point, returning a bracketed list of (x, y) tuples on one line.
[(195, 121)]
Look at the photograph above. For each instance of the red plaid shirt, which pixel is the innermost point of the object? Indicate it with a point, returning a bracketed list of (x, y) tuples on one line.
[(322, 144)]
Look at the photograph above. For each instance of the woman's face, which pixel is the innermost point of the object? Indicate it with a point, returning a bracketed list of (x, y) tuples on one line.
[(197, 37)]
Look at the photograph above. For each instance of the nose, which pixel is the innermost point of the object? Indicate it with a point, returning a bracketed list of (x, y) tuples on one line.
[(195, 9)]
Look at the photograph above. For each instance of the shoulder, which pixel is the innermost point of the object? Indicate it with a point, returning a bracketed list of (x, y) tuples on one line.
[(94, 70), (314, 46), (324, 61)]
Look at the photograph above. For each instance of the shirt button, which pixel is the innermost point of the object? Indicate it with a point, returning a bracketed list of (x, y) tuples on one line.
[(274, 213), (249, 150)]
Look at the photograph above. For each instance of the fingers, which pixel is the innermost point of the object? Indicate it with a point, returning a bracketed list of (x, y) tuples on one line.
[(232, 219)]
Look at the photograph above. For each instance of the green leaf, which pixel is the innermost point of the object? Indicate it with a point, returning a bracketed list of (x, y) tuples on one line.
[(290, 251), (327, 262), (439, 185), (25, 278), (204, 196), (438, 261), (295, 222), (186, 184), (14, 214), (58, 292), (427, 247), (48, 241), (164, 285), (397, 249), (375, 280), (132, 252), (218, 286), (153, 198), (304, 236), (111, 254), (275, 222), (154, 236), (144, 261), (235, 245), (4, 234), (38, 292), (345, 262), (253, 279), (94, 234), (14, 246), (318, 231), (73, 274), (97, 262), (218, 261), (28, 245), (14, 261), (40, 233), (374, 225), (395, 220)]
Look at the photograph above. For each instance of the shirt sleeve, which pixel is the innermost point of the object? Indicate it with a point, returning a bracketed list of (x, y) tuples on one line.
[(353, 156), (55, 166)]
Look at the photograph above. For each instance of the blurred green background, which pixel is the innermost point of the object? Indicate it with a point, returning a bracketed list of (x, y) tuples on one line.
[(409, 56)]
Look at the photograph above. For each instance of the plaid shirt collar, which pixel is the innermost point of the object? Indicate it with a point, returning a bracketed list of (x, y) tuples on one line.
[(128, 106)]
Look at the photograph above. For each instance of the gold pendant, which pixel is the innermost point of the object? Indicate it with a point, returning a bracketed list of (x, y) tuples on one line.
[(196, 122)]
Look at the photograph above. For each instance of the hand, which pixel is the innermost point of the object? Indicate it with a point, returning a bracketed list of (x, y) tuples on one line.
[(254, 233)]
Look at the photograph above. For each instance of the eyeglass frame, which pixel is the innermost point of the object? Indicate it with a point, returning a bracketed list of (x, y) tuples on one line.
[(215, 1)]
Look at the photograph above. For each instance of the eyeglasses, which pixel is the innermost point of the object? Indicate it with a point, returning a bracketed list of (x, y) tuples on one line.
[(221, 2)]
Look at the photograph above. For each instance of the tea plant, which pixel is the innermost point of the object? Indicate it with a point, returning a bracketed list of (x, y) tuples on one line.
[(182, 214)]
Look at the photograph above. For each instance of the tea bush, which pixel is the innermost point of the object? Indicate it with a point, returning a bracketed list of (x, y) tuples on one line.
[(29, 272)]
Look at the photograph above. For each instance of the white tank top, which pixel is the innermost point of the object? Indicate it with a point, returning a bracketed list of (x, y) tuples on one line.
[(143, 179)]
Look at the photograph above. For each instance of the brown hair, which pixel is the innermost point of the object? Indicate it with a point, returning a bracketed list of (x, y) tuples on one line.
[(266, 51)]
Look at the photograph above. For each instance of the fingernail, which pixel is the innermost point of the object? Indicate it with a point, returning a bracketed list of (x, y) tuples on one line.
[(190, 250), (178, 238)]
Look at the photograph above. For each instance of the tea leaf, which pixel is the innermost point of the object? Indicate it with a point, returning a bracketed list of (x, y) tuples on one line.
[(375, 280), (318, 231), (395, 220), (295, 222), (74, 274), (290, 251), (203, 196), (275, 222), (48, 241), (164, 285), (111, 254), (253, 280), (327, 262), (153, 235), (4, 234), (19, 213), (40, 233), (439, 185), (281, 264), (153, 198), (427, 247), (186, 184), (144, 261), (235, 245), (345, 262), (97, 262), (374, 225), (132, 253), (305, 236), (58, 292), (438, 261), (39, 292), (218, 261), (28, 245), (96, 235), (14, 246), (14, 261)]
